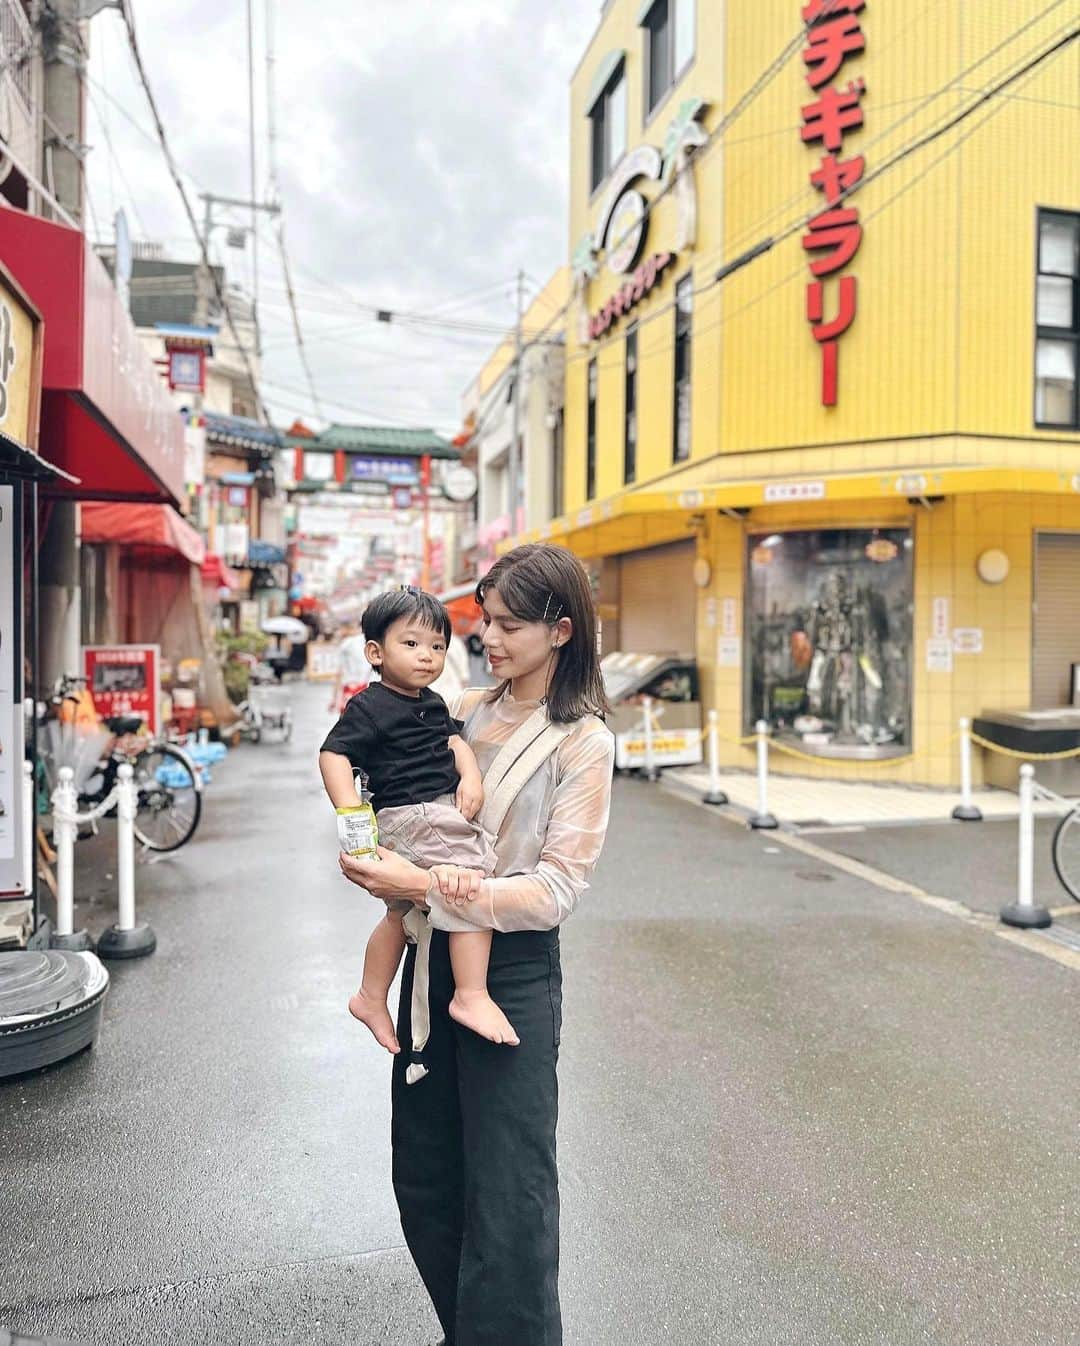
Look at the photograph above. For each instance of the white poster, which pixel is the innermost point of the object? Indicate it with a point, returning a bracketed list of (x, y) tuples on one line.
[(10, 730), (728, 652), (968, 640), (941, 623), (939, 655), (729, 622)]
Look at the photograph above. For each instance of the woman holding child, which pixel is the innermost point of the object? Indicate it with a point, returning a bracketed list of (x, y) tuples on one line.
[(473, 1132)]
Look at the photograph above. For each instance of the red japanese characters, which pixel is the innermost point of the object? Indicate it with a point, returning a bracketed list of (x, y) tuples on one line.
[(834, 34)]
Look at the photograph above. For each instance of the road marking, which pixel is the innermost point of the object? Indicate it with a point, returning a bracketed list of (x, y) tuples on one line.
[(1040, 944), (1032, 941)]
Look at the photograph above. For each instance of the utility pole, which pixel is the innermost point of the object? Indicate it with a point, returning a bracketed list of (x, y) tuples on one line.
[(204, 280), (514, 466), (64, 54)]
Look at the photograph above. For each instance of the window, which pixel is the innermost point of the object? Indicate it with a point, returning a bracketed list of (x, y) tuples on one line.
[(590, 436), (1057, 319), (630, 409), (669, 45), (684, 312), (828, 644), (608, 117)]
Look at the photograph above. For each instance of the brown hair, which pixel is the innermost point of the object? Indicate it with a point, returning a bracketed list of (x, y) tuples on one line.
[(539, 582)]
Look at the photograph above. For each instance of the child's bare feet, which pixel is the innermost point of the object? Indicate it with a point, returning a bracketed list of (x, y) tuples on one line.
[(477, 1010), (373, 1012)]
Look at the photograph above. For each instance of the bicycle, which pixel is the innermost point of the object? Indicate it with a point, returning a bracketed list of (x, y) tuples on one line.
[(169, 788), (1065, 849)]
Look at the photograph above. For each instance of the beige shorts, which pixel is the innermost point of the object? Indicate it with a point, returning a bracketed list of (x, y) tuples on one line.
[(436, 833)]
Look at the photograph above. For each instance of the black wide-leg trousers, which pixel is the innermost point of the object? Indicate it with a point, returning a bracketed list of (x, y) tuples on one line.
[(474, 1150)]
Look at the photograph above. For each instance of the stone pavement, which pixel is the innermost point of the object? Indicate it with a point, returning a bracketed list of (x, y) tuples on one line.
[(798, 1108), (804, 802)]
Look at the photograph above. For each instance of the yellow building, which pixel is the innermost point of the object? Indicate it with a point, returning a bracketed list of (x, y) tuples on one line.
[(838, 461)]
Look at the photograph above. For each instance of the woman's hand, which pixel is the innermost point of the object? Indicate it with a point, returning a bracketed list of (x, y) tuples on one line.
[(389, 878), (457, 885)]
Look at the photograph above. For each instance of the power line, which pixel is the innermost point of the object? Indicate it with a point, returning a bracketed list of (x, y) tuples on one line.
[(283, 252), (136, 54), (1028, 66), (887, 131)]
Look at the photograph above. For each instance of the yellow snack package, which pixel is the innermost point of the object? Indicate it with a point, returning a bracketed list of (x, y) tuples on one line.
[(358, 832)]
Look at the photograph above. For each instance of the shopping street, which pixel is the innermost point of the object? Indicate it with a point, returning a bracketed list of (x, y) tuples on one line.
[(796, 1106)]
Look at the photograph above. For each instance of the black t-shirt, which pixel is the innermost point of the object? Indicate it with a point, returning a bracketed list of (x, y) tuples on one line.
[(400, 743)]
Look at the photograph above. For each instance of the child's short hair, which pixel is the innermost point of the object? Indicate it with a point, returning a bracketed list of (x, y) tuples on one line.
[(384, 611)]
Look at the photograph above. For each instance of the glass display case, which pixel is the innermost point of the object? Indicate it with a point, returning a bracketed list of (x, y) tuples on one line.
[(829, 639)]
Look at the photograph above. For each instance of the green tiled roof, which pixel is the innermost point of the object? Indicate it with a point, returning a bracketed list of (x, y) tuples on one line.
[(376, 439)]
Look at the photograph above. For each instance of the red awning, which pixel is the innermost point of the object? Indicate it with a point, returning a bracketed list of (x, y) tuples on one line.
[(142, 526), (106, 416), (216, 573)]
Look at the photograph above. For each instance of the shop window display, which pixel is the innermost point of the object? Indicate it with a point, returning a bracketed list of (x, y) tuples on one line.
[(829, 639)]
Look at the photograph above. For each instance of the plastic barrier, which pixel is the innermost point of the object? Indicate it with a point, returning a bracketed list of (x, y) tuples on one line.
[(125, 939), (1025, 912)]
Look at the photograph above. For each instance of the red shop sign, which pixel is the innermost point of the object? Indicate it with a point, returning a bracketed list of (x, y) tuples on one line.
[(834, 33), (125, 680)]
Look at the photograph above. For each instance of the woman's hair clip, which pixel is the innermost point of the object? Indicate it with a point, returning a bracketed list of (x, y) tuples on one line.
[(409, 589), (558, 612)]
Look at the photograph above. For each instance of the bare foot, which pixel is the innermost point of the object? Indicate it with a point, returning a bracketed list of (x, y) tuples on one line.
[(373, 1012), (477, 1010)]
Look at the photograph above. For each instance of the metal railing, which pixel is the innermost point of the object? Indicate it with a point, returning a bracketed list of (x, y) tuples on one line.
[(17, 49)]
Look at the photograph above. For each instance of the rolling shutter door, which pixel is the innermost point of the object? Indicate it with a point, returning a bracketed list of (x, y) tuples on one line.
[(1056, 628), (657, 600)]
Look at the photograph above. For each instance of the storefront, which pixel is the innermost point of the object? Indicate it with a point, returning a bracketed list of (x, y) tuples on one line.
[(22, 473), (858, 414)]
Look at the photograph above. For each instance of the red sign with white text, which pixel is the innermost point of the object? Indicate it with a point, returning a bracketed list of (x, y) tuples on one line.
[(125, 680), (834, 33)]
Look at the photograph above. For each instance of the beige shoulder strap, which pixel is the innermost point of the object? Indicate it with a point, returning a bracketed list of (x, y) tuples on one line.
[(527, 749)]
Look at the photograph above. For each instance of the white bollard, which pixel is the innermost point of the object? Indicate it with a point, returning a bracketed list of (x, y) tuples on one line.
[(651, 773), (763, 820), (966, 811), (1025, 912), (65, 808), (714, 794), (125, 939), (29, 827)]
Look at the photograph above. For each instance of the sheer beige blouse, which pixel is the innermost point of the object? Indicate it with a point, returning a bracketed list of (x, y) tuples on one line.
[(551, 838)]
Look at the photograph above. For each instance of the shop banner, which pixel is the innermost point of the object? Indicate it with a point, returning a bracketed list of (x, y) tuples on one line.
[(11, 724), (125, 680)]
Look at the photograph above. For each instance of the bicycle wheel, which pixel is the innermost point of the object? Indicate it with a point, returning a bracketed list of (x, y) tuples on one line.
[(1066, 853), (169, 803)]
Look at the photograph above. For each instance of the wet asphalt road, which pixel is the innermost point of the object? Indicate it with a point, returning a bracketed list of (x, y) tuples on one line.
[(797, 1110)]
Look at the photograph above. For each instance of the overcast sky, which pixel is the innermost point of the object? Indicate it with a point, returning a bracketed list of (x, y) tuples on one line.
[(422, 149)]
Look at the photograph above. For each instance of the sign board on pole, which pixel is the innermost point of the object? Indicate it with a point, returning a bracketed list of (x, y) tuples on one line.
[(125, 680)]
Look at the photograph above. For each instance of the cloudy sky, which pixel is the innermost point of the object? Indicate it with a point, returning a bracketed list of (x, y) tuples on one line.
[(422, 157)]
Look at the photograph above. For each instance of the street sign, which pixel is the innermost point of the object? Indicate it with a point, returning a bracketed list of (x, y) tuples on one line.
[(125, 680)]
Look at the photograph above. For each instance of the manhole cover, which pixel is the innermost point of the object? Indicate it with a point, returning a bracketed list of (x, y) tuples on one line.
[(814, 875)]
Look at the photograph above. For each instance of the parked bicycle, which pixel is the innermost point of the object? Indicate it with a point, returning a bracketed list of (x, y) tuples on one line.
[(166, 779), (1066, 849)]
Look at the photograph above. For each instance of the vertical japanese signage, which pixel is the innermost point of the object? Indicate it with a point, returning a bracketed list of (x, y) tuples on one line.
[(835, 35), (11, 749)]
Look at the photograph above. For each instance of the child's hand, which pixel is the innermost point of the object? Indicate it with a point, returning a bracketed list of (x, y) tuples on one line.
[(470, 796)]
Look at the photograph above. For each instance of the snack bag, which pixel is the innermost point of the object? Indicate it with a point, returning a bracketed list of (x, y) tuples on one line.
[(358, 832)]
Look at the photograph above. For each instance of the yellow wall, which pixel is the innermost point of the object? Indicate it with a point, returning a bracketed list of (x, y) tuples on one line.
[(943, 344)]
